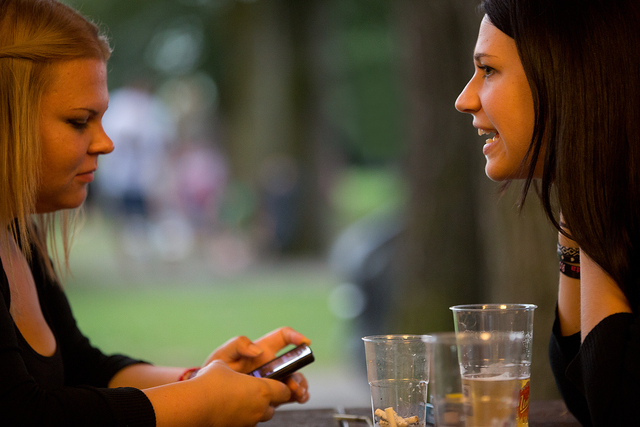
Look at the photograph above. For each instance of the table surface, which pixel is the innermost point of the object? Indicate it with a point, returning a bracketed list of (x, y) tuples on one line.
[(547, 413)]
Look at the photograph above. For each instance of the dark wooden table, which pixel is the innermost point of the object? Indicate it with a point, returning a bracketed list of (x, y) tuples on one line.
[(548, 413)]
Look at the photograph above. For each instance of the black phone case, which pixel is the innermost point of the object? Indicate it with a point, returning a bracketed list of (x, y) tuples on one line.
[(281, 374)]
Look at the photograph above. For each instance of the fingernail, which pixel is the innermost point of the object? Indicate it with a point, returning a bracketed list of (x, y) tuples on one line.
[(254, 349)]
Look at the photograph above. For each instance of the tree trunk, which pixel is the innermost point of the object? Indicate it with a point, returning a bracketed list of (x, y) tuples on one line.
[(268, 117), (463, 243), (440, 263)]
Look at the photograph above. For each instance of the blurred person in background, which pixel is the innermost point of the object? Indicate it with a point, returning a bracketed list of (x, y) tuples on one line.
[(557, 89), (54, 89), (129, 180)]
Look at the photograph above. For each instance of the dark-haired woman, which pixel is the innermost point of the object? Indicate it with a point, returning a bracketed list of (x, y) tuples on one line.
[(557, 91)]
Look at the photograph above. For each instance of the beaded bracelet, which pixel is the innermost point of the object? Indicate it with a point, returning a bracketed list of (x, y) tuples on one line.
[(570, 270), (568, 255), (188, 374)]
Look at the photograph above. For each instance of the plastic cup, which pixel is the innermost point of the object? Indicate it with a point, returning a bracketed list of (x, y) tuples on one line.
[(475, 378), (398, 374), (503, 318)]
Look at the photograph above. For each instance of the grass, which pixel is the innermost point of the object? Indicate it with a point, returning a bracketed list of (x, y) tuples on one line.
[(182, 326), (177, 314)]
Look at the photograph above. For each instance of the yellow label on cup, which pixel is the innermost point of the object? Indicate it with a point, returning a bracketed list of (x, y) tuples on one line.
[(523, 403)]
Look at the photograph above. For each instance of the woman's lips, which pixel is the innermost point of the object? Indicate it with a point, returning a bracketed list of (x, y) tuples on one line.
[(489, 142), (85, 177)]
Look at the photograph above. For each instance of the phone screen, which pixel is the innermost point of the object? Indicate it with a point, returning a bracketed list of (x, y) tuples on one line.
[(286, 364)]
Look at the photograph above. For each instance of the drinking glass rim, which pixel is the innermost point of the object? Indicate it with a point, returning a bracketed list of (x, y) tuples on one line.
[(493, 307), (394, 337), (453, 337)]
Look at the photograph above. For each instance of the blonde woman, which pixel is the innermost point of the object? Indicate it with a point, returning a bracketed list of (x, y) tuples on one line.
[(53, 85)]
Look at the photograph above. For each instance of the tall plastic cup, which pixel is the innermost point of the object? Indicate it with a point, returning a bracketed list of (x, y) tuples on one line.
[(474, 378), (503, 318), (398, 374)]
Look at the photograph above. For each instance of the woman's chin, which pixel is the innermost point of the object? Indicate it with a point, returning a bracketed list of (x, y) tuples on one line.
[(495, 174), (58, 205), (498, 174)]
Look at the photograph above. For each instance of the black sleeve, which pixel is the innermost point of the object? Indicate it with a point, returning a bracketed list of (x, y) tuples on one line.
[(23, 402), (83, 363), (562, 350), (605, 372)]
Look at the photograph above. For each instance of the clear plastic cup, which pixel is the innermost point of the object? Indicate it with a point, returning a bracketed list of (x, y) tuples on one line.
[(398, 374), (475, 378), (503, 318)]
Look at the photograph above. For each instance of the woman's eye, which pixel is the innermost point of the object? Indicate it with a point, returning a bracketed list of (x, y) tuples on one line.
[(78, 124), (486, 70)]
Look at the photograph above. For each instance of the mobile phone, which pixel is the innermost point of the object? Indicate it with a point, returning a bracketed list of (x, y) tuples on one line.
[(286, 364)]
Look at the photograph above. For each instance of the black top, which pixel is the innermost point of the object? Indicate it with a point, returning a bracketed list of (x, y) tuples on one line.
[(70, 387), (600, 379)]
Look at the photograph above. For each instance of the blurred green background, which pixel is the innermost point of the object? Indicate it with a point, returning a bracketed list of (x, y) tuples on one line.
[(300, 163), (177, 314)]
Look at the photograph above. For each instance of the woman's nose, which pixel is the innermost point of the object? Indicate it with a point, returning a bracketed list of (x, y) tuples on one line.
[(468, 100), (102, 144)]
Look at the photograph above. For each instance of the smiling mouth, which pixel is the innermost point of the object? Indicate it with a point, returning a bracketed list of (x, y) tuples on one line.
[(488, 140)]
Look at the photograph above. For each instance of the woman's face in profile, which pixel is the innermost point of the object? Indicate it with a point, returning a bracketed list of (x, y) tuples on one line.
[(71, 132), (499, 98)]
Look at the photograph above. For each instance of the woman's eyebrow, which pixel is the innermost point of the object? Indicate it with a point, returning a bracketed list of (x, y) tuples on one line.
[(89, 110), (480, 55)]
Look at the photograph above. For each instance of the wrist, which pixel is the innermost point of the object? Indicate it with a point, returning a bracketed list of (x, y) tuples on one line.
[(565, 236), (568, 254), (188, 374), (565, 240), (569, 260), (570, 270)]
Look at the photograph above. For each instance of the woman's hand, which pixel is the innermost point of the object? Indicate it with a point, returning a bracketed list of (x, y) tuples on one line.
[(217, 396), (244, 400), (243, 355)]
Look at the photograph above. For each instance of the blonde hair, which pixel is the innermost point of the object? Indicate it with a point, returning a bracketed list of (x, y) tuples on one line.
[(34, 35)]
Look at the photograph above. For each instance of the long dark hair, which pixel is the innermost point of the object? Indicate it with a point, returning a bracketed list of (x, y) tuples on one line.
[(582, 61)]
